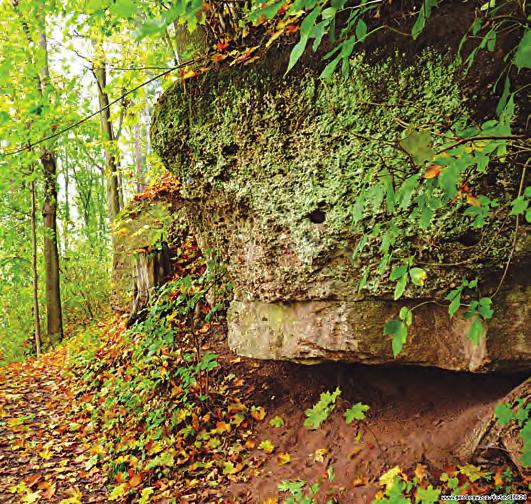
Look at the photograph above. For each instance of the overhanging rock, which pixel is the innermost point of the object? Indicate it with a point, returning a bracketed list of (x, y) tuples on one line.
[(272, 170)]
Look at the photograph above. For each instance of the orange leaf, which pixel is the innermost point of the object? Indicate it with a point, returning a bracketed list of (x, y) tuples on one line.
[(48, 489), (222, 45), (216, 58), (292, 28), (420, 472), (258, 413), (432, 171), (473, 201), (135, 480)]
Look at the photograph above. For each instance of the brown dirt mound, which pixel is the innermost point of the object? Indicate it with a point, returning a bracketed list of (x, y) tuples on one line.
[(416, 415)]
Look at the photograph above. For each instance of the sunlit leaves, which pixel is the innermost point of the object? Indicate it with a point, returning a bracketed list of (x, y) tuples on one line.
[(418, 144), (356, 412), (522, 56), (277, 422), (504, 413), (424, 14), (123, 8), (316, 415), (267, 446), (418, 276)]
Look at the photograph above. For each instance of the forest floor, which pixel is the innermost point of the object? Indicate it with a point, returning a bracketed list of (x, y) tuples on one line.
[(42, 453), (418, 419)]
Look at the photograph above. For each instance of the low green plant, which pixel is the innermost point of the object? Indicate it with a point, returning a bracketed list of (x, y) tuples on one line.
[(302, 492), (320, 412), (518, 412)]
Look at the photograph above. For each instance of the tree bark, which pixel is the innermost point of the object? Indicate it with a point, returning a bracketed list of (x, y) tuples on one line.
[(35, 273), (112, 175), (51, 252), (139, 158)]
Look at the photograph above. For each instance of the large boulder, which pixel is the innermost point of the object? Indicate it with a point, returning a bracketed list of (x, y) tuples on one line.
[(273, 169)]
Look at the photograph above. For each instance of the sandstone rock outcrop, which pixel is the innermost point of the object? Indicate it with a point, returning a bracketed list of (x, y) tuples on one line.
[(272, 171)]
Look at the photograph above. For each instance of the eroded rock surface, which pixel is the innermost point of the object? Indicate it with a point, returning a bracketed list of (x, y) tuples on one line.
[(273, 169)]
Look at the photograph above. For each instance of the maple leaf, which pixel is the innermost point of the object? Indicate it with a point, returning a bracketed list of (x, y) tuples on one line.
[(46, 454), (135, 480), (284, 458), (319, 454), (267, 446), (420, 472), (356, 412), (258, 413), (388, 478), (222, 45), (472, 472), (277, 422), (48, 489)]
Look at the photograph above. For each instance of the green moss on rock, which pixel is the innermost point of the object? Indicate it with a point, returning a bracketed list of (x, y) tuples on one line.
[(273, 168)]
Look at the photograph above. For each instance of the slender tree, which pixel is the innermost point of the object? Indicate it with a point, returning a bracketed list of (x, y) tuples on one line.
[(34, 270), (51, 251)]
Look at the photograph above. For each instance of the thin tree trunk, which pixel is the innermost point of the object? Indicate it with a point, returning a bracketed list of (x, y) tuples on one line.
[(67, 220), (139, 158), (112, 176), (35, 273), (51, 252)]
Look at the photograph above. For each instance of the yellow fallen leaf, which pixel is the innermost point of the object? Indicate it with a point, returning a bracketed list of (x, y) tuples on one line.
[(45, 454), (284, 458), (360, 481), (319, 454), (267, 446), (388, 478), (420, 472)]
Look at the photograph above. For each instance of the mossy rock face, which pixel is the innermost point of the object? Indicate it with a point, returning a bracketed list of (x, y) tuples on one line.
[(140, 242), (272, 169)]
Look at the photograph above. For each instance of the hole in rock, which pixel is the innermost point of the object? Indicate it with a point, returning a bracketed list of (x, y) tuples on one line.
[(318, 216), (470, 238), (230, 150)]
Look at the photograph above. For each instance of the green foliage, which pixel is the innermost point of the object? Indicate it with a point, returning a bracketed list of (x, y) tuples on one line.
[(522, 56), (303, 492), (355, 412), (319, 413), (518, 412), (424, 14), (277, 422)]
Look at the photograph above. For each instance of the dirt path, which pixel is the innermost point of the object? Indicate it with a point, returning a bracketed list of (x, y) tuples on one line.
[(416, 415), (43, 457)]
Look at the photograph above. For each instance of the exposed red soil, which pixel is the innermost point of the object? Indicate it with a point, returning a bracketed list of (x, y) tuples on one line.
[(417, 415)]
